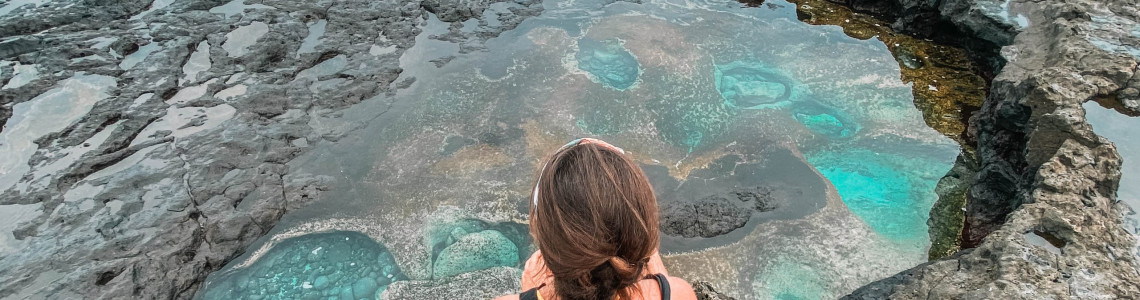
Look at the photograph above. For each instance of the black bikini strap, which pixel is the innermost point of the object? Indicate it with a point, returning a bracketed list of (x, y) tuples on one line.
[(531, 294), (663, 282)]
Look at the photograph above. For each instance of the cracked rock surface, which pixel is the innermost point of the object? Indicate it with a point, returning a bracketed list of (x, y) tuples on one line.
[(149, 141)]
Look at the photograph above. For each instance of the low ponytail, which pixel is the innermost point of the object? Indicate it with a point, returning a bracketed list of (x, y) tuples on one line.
[(611, 279)]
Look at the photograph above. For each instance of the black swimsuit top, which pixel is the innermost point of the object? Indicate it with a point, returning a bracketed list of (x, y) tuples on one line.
[(532, 294)]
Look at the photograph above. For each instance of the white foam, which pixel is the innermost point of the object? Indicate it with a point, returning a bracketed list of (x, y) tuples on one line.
[(49, 112), (238, 40)]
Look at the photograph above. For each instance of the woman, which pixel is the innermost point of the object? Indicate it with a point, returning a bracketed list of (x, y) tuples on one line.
[(594, 219)]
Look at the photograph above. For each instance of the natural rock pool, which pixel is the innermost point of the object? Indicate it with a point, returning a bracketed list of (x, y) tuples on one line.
[(1118, 127), (790, 159)]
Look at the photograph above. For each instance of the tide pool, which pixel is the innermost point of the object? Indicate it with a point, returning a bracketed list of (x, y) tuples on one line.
[(808, 136)]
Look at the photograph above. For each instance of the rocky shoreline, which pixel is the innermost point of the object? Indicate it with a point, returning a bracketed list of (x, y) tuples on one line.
[(144, 208), (1041, 218), (136, 204)]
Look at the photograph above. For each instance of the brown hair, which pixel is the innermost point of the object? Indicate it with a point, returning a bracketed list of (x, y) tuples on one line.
[(595, 221)]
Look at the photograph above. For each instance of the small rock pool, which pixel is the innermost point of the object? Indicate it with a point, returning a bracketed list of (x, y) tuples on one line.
[(790, 159)]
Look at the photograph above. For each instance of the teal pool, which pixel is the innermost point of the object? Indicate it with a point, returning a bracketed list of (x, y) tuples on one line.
[(713, 98)]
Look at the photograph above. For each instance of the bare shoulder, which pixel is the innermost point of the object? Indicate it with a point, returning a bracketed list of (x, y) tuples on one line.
[(515, 297), (681, 289)]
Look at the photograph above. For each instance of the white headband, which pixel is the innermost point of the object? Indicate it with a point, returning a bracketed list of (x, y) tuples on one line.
[(575, 142)]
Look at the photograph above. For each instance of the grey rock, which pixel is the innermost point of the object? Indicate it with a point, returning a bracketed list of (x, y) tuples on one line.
[(1044, 174), (714, 215), (159, 204), (705, 291), (456, 10)]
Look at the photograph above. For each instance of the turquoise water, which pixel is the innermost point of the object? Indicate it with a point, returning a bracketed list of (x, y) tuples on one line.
[(336, 264), (608, 63), (787, 279), (891, 193), (710, 97)]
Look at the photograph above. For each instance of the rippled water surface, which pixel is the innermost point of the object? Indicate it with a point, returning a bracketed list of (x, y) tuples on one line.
[(713, 99)]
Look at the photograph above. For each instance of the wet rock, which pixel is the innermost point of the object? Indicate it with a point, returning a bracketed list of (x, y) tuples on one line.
[(364, 288), (716, 214), (705, 291), (1041, 219), (19, 45), (177, 190), (456, 10), (948, 215), (720, 203)]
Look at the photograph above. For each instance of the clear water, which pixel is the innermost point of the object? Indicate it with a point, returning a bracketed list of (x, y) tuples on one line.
[(1120, 129), (336, 264), (239, 40), (709, 97), (49, 112)]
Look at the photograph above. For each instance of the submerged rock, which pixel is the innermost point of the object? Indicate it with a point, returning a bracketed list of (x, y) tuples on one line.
[(476, 251), (608, 63), (716, 214), (754, 86), (825, 120), (336, 263), (720, 203)]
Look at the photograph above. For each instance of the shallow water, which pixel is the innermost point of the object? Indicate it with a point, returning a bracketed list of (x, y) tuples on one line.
[(238, 40), (1121, 130), (715, 98), (49, 112)]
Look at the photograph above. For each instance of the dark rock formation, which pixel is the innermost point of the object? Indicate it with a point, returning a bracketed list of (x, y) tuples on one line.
[(715, 214), (1041, 218), (705, 291), (181, 161)]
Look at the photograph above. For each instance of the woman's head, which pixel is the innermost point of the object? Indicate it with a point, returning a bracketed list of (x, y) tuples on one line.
[(594, 218)]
